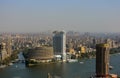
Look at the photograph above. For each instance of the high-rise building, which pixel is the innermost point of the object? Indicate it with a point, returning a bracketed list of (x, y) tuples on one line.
[(9, 46), (3, 52), (102, 61), (59, 44)]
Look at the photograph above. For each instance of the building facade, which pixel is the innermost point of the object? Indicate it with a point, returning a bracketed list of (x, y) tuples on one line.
[(59, 44), (102, 61), (3, 52), (38, 55)]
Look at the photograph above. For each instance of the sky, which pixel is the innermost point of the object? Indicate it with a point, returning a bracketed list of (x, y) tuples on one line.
[(45, 15)]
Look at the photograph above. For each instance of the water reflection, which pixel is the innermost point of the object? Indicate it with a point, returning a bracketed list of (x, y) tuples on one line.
[(58, 70)]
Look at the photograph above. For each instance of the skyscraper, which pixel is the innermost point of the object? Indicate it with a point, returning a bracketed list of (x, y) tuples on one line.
[(102, 60), (9, 46), (3, 52), (59, 44)]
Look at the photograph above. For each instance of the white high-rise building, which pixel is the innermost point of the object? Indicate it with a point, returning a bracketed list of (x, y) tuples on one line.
[(59, 44)]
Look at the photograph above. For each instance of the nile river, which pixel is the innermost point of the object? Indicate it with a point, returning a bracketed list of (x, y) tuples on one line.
[(59, 70)]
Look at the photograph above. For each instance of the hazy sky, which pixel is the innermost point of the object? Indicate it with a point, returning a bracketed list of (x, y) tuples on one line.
[(42, 15)]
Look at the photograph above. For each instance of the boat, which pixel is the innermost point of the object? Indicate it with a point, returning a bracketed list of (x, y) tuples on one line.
[(81, 62), (72, 60), (110, 67), (16, 66), (10, 64), (56, 76), (2, 66), (118, 53)]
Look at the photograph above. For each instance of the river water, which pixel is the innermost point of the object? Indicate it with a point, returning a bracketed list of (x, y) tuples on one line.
[(59, 70)]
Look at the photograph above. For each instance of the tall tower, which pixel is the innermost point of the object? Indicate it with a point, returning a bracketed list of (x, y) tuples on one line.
[(59, 44), (9, 46), (3, 52), (102, 60)]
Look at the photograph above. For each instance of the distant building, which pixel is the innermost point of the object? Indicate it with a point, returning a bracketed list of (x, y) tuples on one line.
[(102, 60), (9, 46), (39, 54), (3, 52), (109, 42), (82, 49), (70, 50), (59, 44)]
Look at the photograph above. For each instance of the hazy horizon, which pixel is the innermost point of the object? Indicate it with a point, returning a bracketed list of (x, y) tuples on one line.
[(44, 15)]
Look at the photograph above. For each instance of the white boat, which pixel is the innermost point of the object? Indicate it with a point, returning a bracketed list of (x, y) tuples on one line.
[(10, 64), (72, 60), (110, 67), (81, 62), (57, 77), (2, 66), (16, 66), (118, 53)]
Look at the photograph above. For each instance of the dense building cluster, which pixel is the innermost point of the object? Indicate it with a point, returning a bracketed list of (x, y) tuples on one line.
[(5, 47), (62, 46), (74, 43)]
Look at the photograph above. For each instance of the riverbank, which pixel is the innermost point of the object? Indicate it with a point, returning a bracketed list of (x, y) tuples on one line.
[(63, 70), (9, 60)]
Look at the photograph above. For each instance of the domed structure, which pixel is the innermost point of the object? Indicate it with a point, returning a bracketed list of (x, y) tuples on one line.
[(40, 54)]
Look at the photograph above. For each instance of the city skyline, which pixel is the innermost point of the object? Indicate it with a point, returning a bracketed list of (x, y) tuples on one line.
[(64, 55), (36, 16)]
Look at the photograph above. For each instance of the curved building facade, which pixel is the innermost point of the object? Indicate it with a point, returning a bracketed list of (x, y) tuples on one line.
[(40, 54)]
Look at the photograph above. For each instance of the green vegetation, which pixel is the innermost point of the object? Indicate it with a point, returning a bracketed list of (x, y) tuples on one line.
[(7, 60), (93, 54), (25, 51), (14, 55), (115, 50), (88, 55)]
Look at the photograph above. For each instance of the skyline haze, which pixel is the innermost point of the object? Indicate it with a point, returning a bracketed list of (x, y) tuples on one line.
[(43, 15)]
